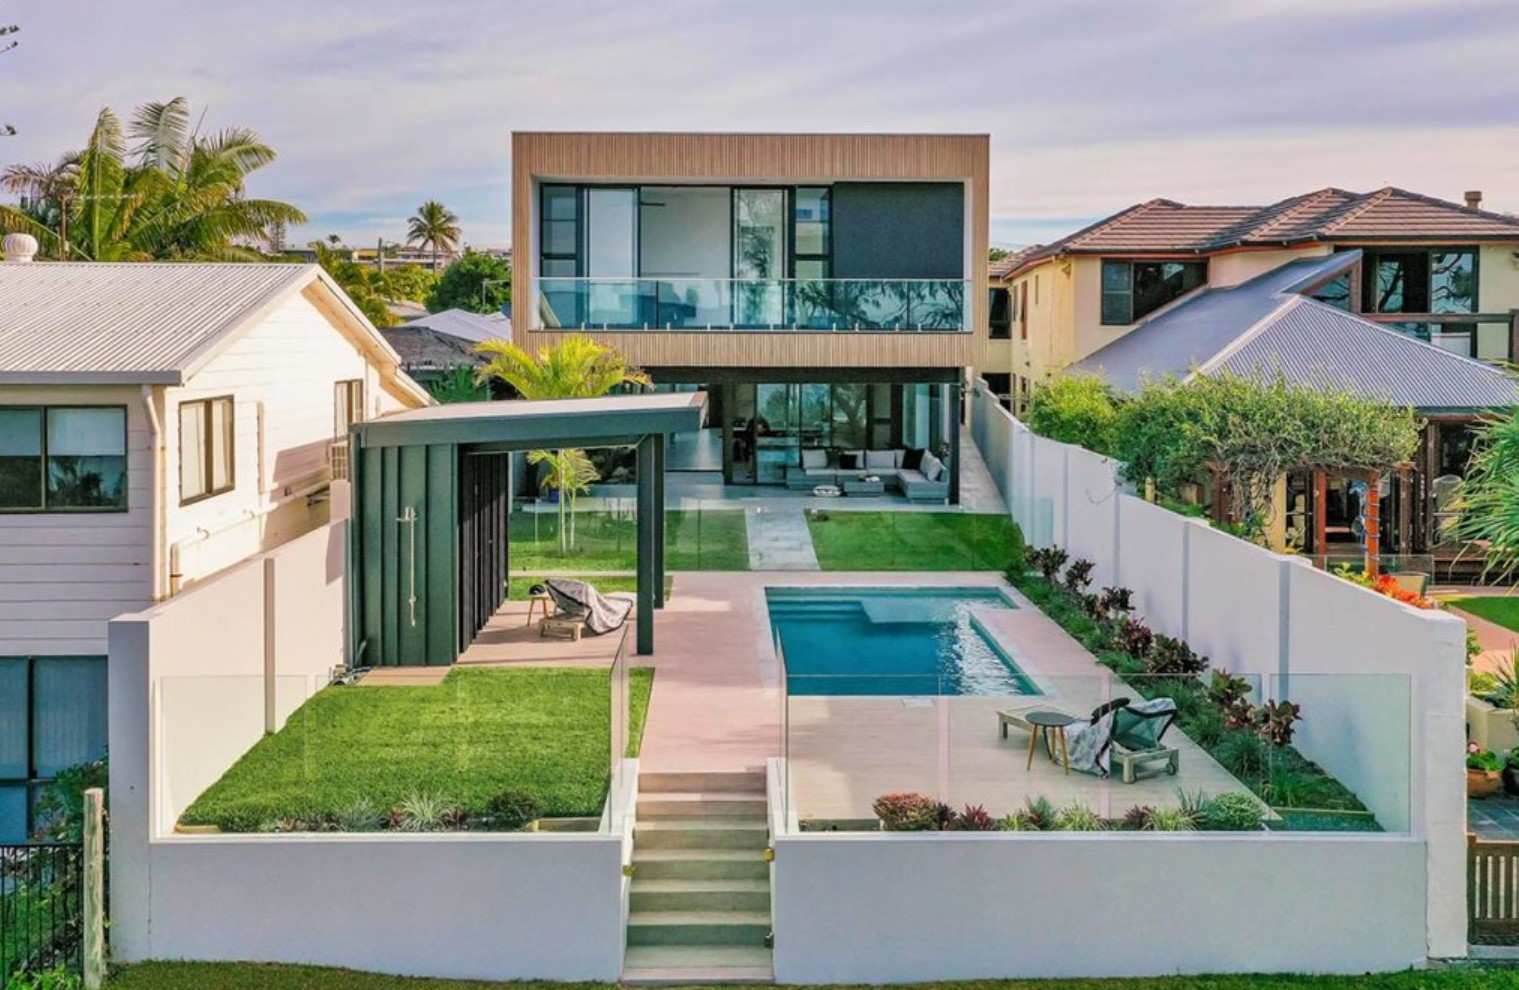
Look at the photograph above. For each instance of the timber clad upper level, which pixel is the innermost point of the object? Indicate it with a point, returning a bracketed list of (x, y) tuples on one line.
[(803, 250)]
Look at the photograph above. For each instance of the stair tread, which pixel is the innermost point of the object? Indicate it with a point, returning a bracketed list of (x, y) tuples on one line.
[(696, 975), (729, 824), (679, 886), (683, 956), (695, 796), (698, 918), (697, 855)]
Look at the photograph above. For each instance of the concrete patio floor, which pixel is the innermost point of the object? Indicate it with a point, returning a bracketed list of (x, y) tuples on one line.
[(717, 705)]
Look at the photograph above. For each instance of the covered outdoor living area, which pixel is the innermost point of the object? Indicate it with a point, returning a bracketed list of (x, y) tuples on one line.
[(431, 495)]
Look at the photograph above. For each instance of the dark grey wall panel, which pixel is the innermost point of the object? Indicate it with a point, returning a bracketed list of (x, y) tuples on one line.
[(898, 230)]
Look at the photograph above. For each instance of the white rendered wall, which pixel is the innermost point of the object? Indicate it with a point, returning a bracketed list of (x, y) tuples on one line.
[(900, 908), (1381, 683)]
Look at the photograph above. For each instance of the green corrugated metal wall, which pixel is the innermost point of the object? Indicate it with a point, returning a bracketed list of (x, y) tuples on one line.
[(389, 628)]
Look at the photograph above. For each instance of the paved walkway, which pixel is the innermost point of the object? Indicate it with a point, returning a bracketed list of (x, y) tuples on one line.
[(1494, 818), (779, 540)]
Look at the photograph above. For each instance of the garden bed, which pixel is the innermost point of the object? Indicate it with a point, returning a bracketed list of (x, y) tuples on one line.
[(1301, 792), (438, 756)]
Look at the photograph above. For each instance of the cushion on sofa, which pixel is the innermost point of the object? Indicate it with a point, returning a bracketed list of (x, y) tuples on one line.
[(849, 460), (933, 468), (814, 458), (881, 460), (912, 459)]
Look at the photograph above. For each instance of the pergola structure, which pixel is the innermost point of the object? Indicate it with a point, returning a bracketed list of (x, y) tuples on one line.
[(428, 548)]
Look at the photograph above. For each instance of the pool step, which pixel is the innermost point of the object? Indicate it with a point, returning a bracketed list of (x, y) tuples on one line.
[(699, 903)]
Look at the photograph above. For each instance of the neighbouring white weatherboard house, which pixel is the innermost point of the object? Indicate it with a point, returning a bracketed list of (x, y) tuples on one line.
[(158, 423)]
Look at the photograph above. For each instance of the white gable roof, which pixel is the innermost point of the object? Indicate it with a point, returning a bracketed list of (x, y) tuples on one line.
[(146, 323)]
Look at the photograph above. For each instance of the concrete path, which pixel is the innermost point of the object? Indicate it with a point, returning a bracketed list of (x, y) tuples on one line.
[(779, 540)]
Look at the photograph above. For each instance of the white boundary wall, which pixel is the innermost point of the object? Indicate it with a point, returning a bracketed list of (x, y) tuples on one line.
[(1381, 683), (904, 907), (192, 688)]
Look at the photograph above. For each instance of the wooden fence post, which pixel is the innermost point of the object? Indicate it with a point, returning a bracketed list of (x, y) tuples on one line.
[(94, 888)]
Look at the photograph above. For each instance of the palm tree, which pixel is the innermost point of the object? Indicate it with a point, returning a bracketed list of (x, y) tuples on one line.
[(575, 368), (434, 227), (155, 188), (571, 474), (1486, 503)]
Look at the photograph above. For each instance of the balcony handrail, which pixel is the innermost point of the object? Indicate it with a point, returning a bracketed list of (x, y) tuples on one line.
[(625, 279)]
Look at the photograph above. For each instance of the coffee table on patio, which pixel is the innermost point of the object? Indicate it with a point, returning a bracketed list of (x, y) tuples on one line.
[(864, 486), (1045, 723)]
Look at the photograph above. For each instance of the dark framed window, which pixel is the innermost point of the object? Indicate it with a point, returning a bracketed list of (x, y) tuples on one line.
[(1132, 290), (63, 459), (1419, 280), (1001, 314), (207, 454), (52, 716), (347, 405)]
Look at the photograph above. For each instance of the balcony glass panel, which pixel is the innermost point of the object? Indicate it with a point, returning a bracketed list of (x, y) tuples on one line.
[(843, 305)]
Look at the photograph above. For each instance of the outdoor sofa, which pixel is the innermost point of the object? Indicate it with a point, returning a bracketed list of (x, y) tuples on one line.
[(916, 474)]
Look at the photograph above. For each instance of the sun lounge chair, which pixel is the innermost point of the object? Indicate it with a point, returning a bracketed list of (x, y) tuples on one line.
[(578, 600), (1120, 731)]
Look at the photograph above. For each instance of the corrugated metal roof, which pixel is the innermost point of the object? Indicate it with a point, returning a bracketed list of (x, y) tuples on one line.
[(461, 323), (1193, 331), (1266, 326), (91, 323), (1316, 344)]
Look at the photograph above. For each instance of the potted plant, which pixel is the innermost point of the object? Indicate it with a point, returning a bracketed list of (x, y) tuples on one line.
[(1511, 773), (1483, 772)]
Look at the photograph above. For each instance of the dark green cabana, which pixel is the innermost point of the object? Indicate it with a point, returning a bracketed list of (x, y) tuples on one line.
[(431, 494)]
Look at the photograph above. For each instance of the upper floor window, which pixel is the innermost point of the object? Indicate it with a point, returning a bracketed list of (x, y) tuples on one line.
[(348, 406), (1132, 290), (1001, 314), (1419, 280), (206, 455), (63, 459)]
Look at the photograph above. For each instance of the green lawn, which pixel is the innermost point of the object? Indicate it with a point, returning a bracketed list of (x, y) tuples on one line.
[(697, 540), (477, 734), (911, 541), (1504, 610), (248, 976)]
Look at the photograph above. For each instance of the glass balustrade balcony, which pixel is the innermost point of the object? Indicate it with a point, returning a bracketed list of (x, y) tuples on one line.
[(823, 305)]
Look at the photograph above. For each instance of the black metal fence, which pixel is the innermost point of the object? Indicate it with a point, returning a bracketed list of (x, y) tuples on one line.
[(41, 908)]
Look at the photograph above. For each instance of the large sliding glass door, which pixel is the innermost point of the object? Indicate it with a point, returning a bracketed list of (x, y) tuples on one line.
[(759, 257), (611, 257)]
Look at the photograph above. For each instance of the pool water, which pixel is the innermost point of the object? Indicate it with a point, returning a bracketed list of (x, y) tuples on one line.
[(892, 641)]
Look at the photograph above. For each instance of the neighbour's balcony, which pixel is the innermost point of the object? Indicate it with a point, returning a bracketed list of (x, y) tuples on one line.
[(807, 305)]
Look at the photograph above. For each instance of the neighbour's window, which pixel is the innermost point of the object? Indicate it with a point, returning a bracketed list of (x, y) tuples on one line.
[(205, 449), (1001, 314), (1132, 290), (63, 459), (348, 406), (52, 716)]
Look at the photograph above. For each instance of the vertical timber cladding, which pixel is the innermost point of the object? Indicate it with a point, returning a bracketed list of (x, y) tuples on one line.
[(407, 511), (483, 495)]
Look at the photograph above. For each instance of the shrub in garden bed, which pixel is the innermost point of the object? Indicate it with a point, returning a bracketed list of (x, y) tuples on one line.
[(1251, 741)]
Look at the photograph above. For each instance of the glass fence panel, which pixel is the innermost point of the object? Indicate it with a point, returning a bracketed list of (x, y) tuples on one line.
[(693, 304), (937, 305), (698, 538)]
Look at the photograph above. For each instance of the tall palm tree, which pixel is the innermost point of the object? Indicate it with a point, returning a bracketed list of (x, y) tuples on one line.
[(575, 368), (435, 227), (1486, 503), (154, 188)]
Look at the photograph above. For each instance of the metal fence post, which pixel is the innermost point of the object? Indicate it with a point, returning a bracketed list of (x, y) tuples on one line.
[(94, 889)]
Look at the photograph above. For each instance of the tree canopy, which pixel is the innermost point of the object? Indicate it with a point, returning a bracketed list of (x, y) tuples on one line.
[(577, 367), (1487, 501), (476, 282), (435, 227), (156, 188)]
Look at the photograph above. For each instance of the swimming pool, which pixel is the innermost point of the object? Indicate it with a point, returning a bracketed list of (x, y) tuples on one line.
[(892, 641)]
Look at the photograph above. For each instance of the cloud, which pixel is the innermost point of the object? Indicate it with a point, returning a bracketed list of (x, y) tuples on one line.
[(1091, 104)]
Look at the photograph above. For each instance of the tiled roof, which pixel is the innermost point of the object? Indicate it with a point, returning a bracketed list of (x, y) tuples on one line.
[(1003, 266), (1265, 326), (1163, 226)]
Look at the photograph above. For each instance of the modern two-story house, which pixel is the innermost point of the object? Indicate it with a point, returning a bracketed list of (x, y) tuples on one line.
[(827, 290), (158, 424), (1400, 296)]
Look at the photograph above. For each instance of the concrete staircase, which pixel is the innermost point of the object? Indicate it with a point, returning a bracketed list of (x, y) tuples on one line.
[(699, 911)]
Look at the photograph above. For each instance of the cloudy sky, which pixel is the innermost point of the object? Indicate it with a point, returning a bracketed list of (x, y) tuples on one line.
[(1091, 105)]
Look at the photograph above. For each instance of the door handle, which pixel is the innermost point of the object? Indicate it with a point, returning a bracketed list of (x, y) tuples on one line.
[(409, 520)]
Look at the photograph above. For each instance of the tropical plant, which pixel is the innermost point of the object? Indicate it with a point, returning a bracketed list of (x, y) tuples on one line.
[(1486, 502), (412, 283), (362, 283), (1137, 818), (156, 188), (1233, 812), (1078, 409), (361, 815), (1230, 695), (458, 384), (1193, 804), (1078, 575), (1169, 820), (907, 812), (1484, 760), (1047, 560), (570, 473), (973, 819), (1504, 681), (1169, 656), (1014, 822), (1039, 812), (577, 367), (421, 811), (1277, 719), (435, 227), (60, 808), (1079, 817), (475, 282), (1135, 638)]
